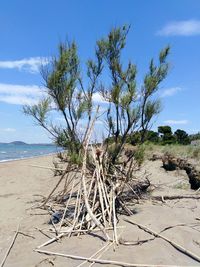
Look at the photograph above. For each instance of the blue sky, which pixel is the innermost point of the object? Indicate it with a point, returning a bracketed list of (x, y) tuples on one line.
[(31, 30)]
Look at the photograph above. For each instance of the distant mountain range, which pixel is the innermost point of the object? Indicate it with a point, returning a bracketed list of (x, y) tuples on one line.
[(23, 143)]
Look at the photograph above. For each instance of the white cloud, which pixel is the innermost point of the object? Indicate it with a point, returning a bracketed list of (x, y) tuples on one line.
[(31, 64), (171, 91), (174, 122), (9, 130), (97, 97), (20, 94), (181, 28)]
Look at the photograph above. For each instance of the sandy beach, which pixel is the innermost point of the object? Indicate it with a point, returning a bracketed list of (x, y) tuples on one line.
[(22, 186)]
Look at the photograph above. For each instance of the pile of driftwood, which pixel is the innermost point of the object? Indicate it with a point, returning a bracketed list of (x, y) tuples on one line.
[(95, 193)]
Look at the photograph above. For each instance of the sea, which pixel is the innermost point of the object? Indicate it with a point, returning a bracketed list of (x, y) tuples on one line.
[(12, 151)]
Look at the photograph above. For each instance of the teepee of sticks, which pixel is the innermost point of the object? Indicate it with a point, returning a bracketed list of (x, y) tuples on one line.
[(95, 193)]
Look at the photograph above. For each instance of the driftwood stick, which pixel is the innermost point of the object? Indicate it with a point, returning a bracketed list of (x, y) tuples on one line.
[(27, 235), (105, 249), (52, 240), (135, 243), (10, 247), (175, 245), (76, 211), (160, 198), (114, 219), (92, 216), (82, 231), (57, 237), (66, 207), (83, 181), (98, 176), (42, 232), (93, 255), (59, 181), (118, 263)]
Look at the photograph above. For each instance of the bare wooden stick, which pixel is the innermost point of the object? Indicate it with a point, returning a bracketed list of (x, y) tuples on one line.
[(95, 220), (10, 247), (78, 209), (96, 253), (98, 176), (42, 232), (106, 248), (52, 240), (83, 174), (101, 197), (27, 235), (90, 188), (160, 198), (56, 238), (118, 263), (66, 207), (175, 245), (114, 220), (59, 181), (88, 230)]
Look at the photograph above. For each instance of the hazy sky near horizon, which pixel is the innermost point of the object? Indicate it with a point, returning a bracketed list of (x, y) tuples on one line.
[(31, 30)]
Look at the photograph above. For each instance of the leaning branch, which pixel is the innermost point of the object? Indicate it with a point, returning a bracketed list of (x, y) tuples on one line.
[(175, 245)]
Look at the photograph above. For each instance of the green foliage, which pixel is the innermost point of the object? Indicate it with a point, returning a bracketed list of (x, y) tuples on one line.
[(152, 79), (135, 137), (167, 136), (182, 137), (176, 150), (152, 137), (139, 154), (129, 108), (196, 153), (194, 137), (40, 110), (164, 130)]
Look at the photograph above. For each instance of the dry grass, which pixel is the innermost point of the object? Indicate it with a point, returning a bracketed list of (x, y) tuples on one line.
[(187, 152)]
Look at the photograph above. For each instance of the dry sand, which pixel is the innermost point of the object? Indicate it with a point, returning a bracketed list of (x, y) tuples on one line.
[(22, 186)]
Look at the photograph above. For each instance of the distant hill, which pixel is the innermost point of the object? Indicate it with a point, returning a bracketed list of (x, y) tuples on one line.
[(18, 143)]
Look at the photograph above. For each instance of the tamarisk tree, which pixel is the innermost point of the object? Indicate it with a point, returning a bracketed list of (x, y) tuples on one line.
[(105, 188), (68, 96), (128, 107)]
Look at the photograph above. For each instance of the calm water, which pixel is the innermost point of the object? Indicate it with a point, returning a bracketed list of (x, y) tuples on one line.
[(15, 151)]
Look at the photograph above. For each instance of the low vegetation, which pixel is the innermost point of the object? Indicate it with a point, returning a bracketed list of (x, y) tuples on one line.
[(187, 151)]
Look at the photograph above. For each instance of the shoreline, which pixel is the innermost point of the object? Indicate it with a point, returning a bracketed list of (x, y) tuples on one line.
[(27, 158)]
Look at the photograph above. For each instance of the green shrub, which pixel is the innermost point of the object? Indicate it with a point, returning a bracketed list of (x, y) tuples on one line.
[(139, 154)]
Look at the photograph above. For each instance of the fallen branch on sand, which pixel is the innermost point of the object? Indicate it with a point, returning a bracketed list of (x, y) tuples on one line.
[(10, 247), (27, 235), (175, 245), (118, 263), (104, 248), (52, 240), (45, 260), (166, 197)]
